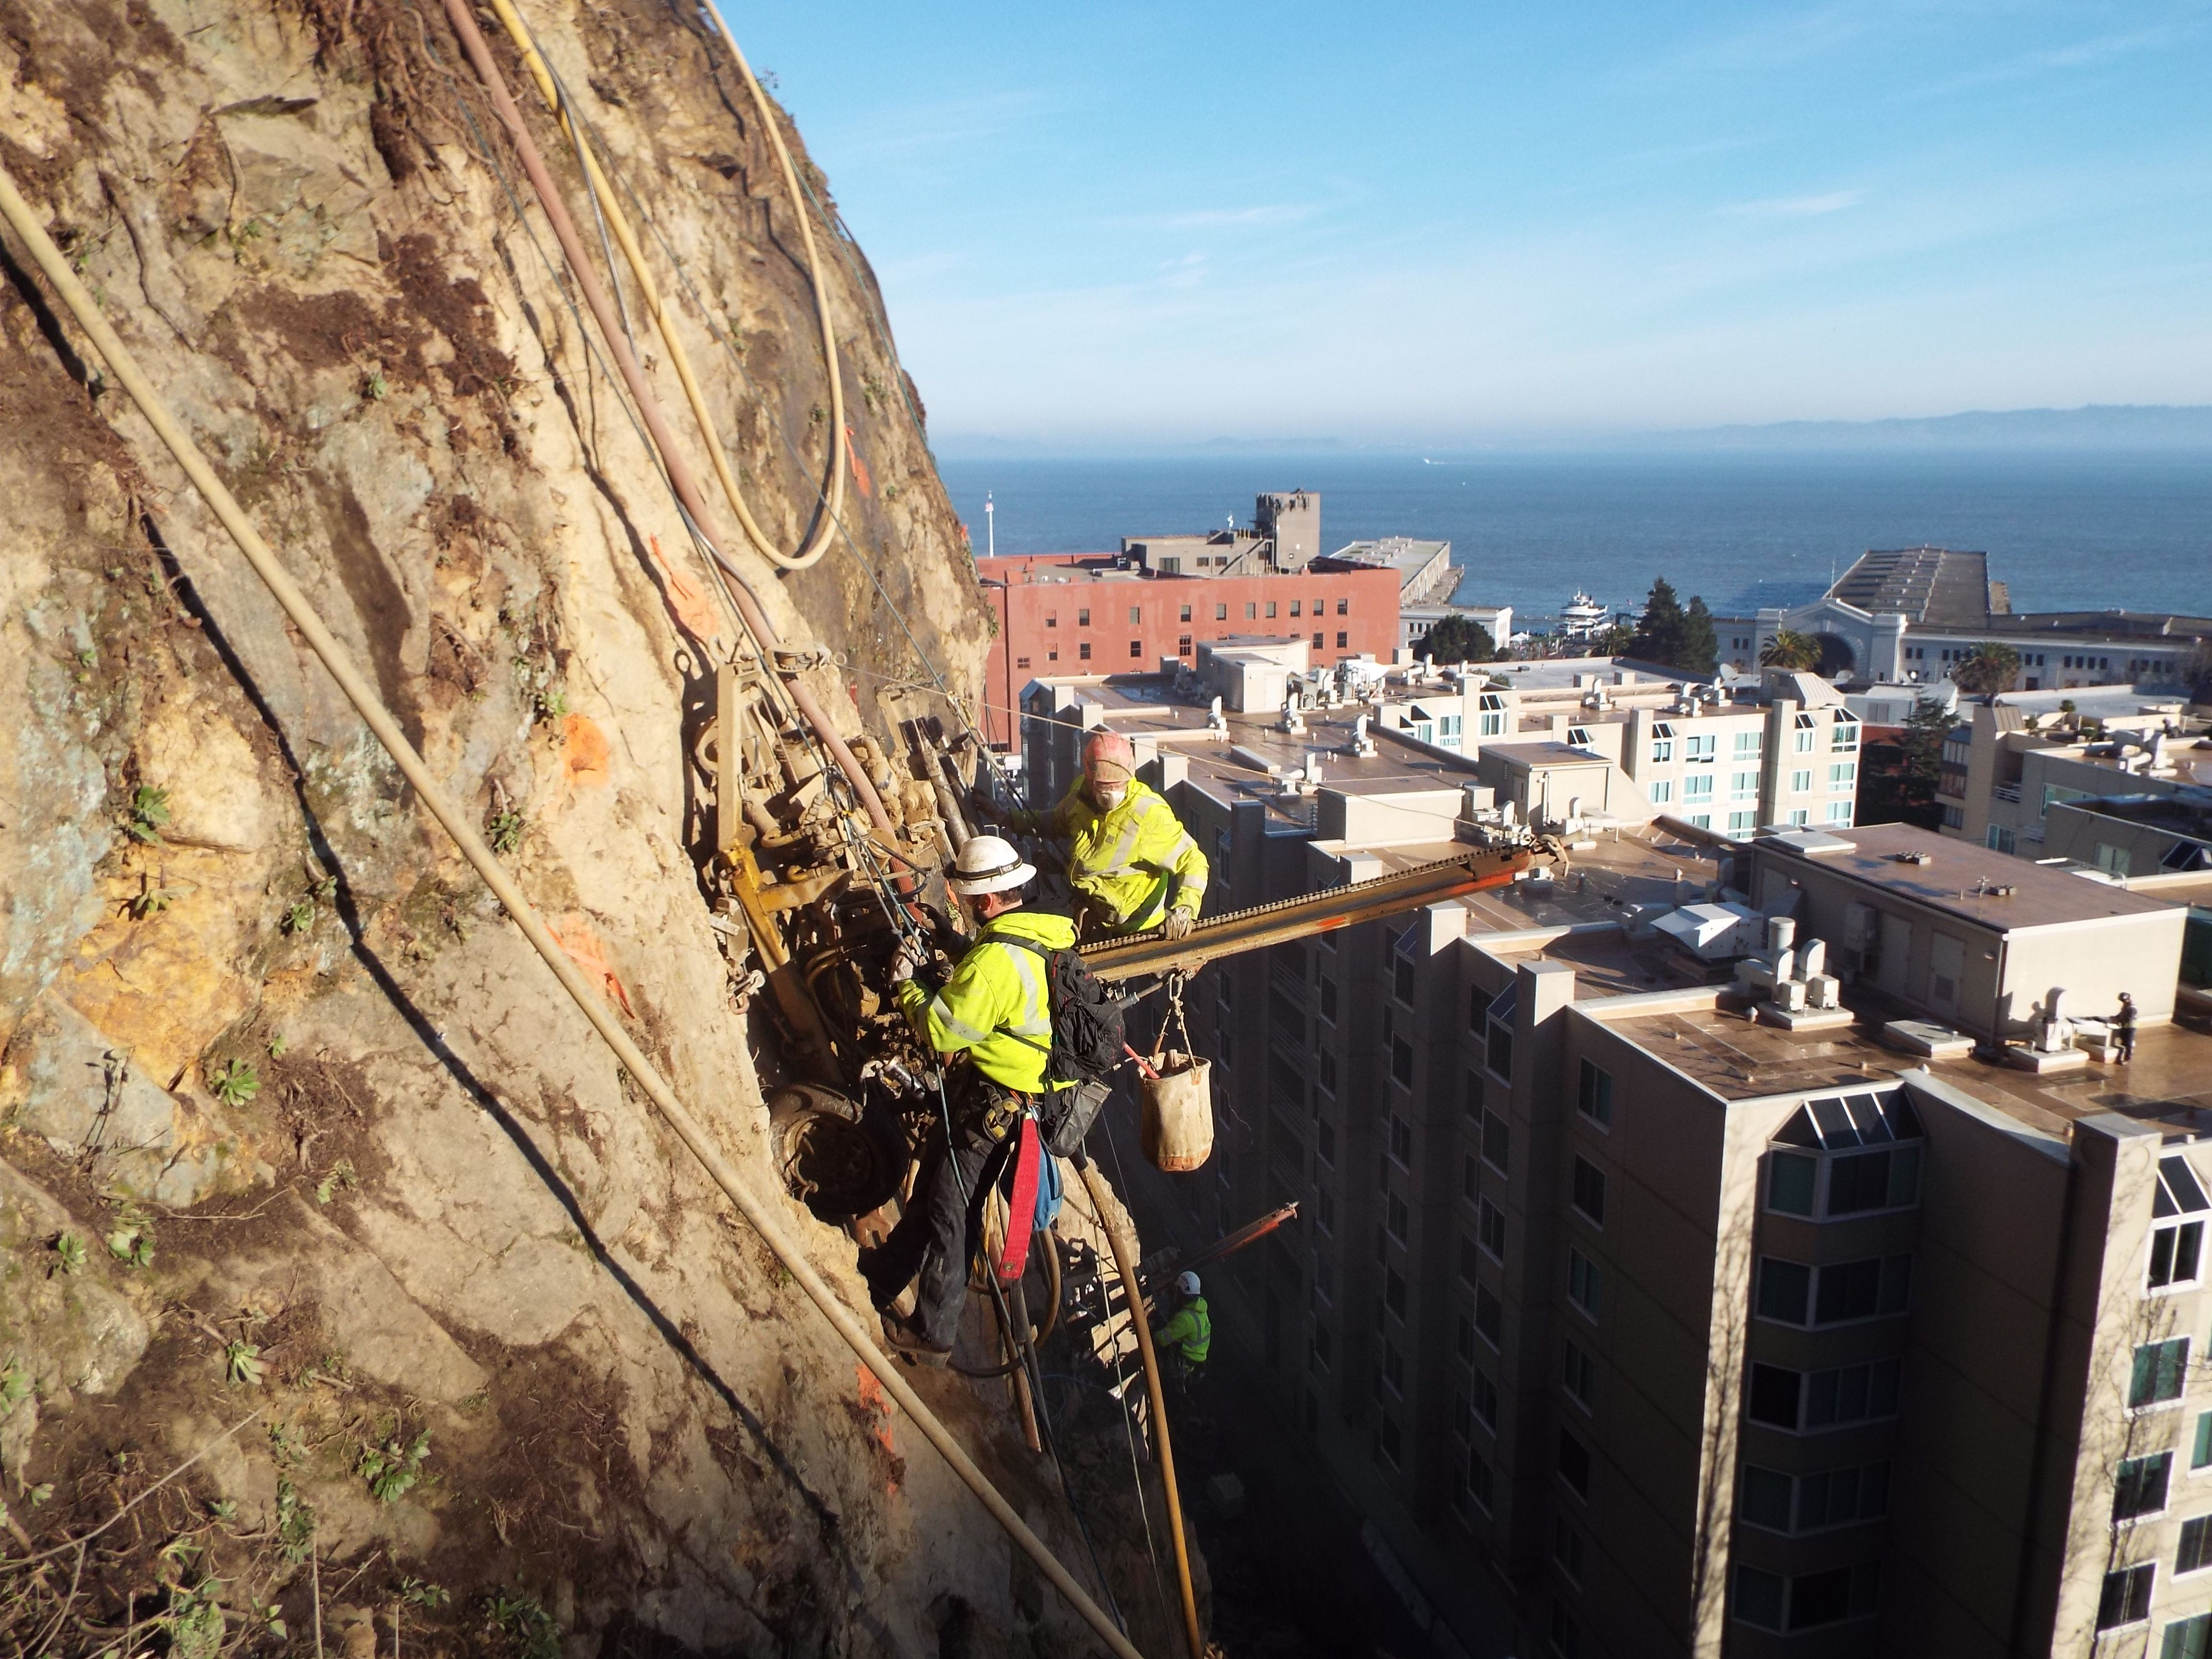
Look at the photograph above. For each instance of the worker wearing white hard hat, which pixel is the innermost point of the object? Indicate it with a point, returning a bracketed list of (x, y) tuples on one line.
[(1130, 859), (994, 1013)]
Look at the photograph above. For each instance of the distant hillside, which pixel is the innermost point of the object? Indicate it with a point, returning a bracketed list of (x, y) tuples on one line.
[(2097, 426)]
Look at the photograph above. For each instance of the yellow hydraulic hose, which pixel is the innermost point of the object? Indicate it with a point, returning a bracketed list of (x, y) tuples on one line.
[(678, 471), (596, 181), (1127, 1270), (456, 822)]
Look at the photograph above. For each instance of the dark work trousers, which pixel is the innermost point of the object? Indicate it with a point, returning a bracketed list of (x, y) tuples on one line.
[(941, 1228)]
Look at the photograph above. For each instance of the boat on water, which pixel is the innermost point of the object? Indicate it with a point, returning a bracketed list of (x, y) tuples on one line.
[(1582, 615)]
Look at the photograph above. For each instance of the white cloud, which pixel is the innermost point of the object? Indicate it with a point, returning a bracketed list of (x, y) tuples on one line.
[(1797, 207)]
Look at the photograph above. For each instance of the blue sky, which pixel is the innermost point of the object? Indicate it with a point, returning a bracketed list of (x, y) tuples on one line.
[(1101, 226)]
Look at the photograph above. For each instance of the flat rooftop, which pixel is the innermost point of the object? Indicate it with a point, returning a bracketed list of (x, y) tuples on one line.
[(1600, 885), (2169, 1084), (2042, 896), (1724, 1049)]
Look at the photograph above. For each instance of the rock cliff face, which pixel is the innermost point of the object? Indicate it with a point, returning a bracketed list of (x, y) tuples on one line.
[(302, 1143)]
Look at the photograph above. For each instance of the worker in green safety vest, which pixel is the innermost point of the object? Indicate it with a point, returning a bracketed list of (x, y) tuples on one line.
[(1132, 865), (994, 1011), (1188, 1336)]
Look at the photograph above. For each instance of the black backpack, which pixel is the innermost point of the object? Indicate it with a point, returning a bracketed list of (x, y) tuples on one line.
[(1088, 1041)]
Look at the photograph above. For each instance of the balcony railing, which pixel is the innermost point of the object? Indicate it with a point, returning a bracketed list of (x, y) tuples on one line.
[(2005, 792)]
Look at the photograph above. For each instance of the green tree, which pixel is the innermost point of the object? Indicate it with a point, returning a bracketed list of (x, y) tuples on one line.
[(1457, 639), (1788, 648), (1900, 777), (1701, 645), (1617, 641), (1658, 635), (1989, 668)]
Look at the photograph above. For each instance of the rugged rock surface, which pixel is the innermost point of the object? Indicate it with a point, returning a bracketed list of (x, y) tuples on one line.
[(294, 1124)]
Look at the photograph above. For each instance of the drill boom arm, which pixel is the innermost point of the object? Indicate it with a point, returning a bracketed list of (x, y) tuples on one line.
[(1316, 913)]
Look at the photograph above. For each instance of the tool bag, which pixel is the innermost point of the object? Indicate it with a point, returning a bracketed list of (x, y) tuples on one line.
[(1089, 1040)]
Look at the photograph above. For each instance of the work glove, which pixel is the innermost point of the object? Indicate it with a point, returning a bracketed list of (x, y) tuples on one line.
[(903, 965), (1180, 921)]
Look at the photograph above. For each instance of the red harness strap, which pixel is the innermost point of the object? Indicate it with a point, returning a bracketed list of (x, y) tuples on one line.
[(1021, 1207)]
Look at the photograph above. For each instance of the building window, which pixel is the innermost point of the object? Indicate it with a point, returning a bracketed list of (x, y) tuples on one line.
[(1325, 1212), (1399, 1216), (2126, 1596), (1136, 648), (1052, 655), (1585, 1282), (2188, 1638), (1477, 1481), (1662, 790), (1051, 621), (2196, 1551), (1271, 608), (1663, 742), (1401, 1142), (1021, 662), (1182, 645), (1343, 609), (1839, 812), (1136, 616), (1574, 1463), (1328, 1001), (1184, 617), (2160, 1369), (1343, 639), (1739, 822), (1402, 1061), (1083, 651), (1478, 1008), (1746, 746), (1393, 1369), (1393, 1291), (1577, 1374), (1845, 734), (1702, 747), (1485, 1400), (1872, 1180), (1590, 1191), (1806, 1402), (1497, 1051), (1252, 611), (2139, 1486), (1743, 785), (1221, 613), (1321, 1345), (1567, 1553), (1294, 607), (1698, 788), (1470, 1178), (1083, 619), (1402, 972), (1470, 1265), (1325, 1139), (1801, 783), (1497, 1142), (1786, 1289), (1813, 1502), (2176, 1248), (1843, 775), (1489, 1317), (1491, 1223), (1770, 1602), (2200, 1456)]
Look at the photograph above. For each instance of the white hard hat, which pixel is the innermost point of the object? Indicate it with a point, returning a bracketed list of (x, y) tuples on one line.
[(1186, 1284), (988, 863)]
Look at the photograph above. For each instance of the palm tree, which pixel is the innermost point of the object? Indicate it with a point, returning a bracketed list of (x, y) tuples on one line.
[(1788, 648), (1989, 668)]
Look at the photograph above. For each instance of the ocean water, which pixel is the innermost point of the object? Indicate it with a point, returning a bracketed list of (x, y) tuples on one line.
[(2066, 531)]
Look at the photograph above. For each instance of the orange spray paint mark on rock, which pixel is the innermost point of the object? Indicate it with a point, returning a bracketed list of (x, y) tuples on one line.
[(574, 937), (584, 753), (860, 467), (694, 611), (875, 1400)]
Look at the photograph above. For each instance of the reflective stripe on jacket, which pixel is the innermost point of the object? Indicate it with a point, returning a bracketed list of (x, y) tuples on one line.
[(996, 997), (1191, 1331), (1123, 860)]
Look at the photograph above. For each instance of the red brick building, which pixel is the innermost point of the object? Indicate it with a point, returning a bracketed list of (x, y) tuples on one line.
[(1076, 613)]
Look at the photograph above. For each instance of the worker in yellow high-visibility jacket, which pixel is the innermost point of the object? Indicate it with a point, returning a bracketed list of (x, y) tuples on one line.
[(995, 1011), (1130, 861)]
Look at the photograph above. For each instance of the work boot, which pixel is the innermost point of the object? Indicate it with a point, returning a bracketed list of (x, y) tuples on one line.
[(908, 1344)]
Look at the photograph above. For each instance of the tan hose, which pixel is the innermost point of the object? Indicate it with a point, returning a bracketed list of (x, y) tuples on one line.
[(1128, 1272), (595, 182), (456, 823), (680, 478)]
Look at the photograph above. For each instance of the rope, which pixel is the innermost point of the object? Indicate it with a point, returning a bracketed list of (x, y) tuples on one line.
[(450, 817)]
